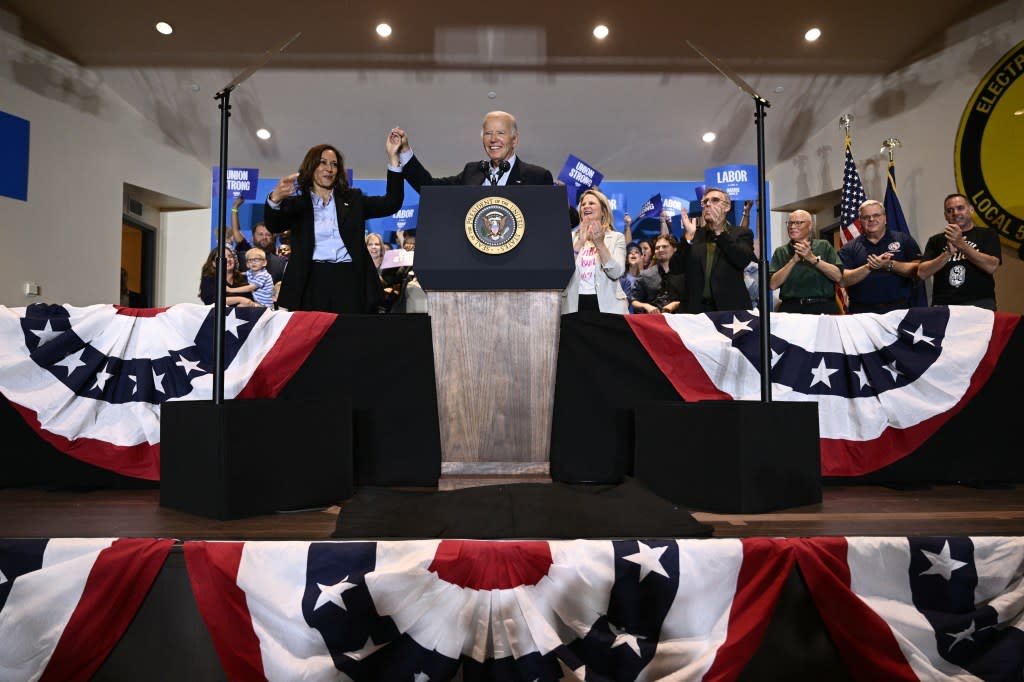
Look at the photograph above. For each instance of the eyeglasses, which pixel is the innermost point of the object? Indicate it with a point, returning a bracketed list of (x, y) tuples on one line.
[(796, 223), (871, 216), (711, 200), (255, 259)]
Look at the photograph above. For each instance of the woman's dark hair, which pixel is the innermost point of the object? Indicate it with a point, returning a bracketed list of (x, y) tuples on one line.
[(210, 266), (312, 161)]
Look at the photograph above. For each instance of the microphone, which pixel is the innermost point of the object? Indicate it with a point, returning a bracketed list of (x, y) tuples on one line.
[(494, 177)]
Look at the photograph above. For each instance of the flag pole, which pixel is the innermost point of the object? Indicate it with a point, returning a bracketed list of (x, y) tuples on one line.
[(889, 144)]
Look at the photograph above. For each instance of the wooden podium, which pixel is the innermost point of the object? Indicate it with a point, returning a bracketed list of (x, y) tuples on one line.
[(494, 261)]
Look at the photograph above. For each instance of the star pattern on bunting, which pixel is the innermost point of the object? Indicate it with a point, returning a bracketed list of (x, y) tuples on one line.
[(821, 374), (892, 369), (942, 563), (189, 365), (72, 361), (625, 638), (365, 651), (158, 382), (332, 593), (737, 325), (648, 559), (967, 634), (102, 376), (47, 333), (232, 323), (918, 336)]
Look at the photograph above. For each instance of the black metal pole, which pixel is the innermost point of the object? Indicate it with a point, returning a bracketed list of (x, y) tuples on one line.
[(762, 260), (221, 303)]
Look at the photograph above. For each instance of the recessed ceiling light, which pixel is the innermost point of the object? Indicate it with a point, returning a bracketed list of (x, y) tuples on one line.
[(780, 88), (812, 34), (383, 30), (164, 27), (708, 137), (263, 134), (1019, 112), (600, 31)]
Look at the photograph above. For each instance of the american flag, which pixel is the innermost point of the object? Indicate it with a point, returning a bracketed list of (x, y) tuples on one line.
[(853, 197), (884, 383)]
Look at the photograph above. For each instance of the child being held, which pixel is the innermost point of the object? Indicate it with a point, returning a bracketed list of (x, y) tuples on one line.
[(260, 283)]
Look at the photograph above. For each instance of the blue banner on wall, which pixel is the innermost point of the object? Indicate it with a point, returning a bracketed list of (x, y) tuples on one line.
[(241, 182), (14, 135), (740, 181)]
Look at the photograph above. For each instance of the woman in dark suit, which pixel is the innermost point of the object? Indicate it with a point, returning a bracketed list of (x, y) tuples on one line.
[(330, 269)]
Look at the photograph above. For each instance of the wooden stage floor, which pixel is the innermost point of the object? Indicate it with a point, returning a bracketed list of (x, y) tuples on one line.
[(844, 510)]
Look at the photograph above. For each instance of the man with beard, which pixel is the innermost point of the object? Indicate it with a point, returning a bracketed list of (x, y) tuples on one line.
[(713, 260), (962, 258)]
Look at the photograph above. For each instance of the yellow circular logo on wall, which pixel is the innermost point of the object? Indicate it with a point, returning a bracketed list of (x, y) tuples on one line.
[(989, 151)]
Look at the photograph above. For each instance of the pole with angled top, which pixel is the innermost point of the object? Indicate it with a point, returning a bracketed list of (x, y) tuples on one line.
[(220, 304), (760, 104)]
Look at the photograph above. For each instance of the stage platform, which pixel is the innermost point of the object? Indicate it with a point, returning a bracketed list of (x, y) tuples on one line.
[(844, 510)]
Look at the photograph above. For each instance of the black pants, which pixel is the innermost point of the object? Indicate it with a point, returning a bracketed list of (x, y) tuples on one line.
[(588, 304), (332, 288)]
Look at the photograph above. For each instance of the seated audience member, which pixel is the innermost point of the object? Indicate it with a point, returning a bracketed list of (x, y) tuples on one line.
[(260, 285), (284, 250), (805, 270), (659, 288), (629, 277), (963, 258), (713, 259), (879, 266), (233, 277), (262, 238), (600, 260)]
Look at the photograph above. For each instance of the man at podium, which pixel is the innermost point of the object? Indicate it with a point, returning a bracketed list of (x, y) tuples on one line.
[(500, 137)]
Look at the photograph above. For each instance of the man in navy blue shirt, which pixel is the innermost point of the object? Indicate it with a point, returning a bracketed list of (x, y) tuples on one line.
[(879, 266)]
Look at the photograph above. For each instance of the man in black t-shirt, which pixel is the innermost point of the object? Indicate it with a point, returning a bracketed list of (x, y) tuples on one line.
[(962, 258)]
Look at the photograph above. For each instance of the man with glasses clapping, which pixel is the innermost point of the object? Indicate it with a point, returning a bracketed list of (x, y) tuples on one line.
[(879, 266), (714, 259)]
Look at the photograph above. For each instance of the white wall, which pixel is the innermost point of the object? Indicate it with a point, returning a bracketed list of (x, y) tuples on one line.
[(84, 144), (183, 243), (921, 106)]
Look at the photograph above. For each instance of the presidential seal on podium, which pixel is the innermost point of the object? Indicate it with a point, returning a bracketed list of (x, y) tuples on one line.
[(494, 225)]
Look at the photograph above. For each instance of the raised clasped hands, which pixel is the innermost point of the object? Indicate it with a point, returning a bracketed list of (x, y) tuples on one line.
[(595, 232), (803, 249)]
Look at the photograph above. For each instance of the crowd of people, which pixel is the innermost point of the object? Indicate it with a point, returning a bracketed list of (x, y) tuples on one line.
[(328, 261)]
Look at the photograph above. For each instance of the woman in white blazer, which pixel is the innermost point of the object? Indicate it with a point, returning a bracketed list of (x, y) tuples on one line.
[(600, 254)]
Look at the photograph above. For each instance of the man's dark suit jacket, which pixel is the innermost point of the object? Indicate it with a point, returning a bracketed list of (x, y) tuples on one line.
[(735, 248), (521, 173), (353, 207)]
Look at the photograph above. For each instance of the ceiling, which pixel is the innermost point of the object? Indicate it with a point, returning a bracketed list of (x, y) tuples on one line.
[(634, 106)]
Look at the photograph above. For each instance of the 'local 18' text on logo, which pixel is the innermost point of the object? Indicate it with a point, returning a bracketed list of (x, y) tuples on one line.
[(988, 149)]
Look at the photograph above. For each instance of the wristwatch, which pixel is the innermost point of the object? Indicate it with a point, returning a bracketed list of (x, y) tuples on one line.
[(817, 260)]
